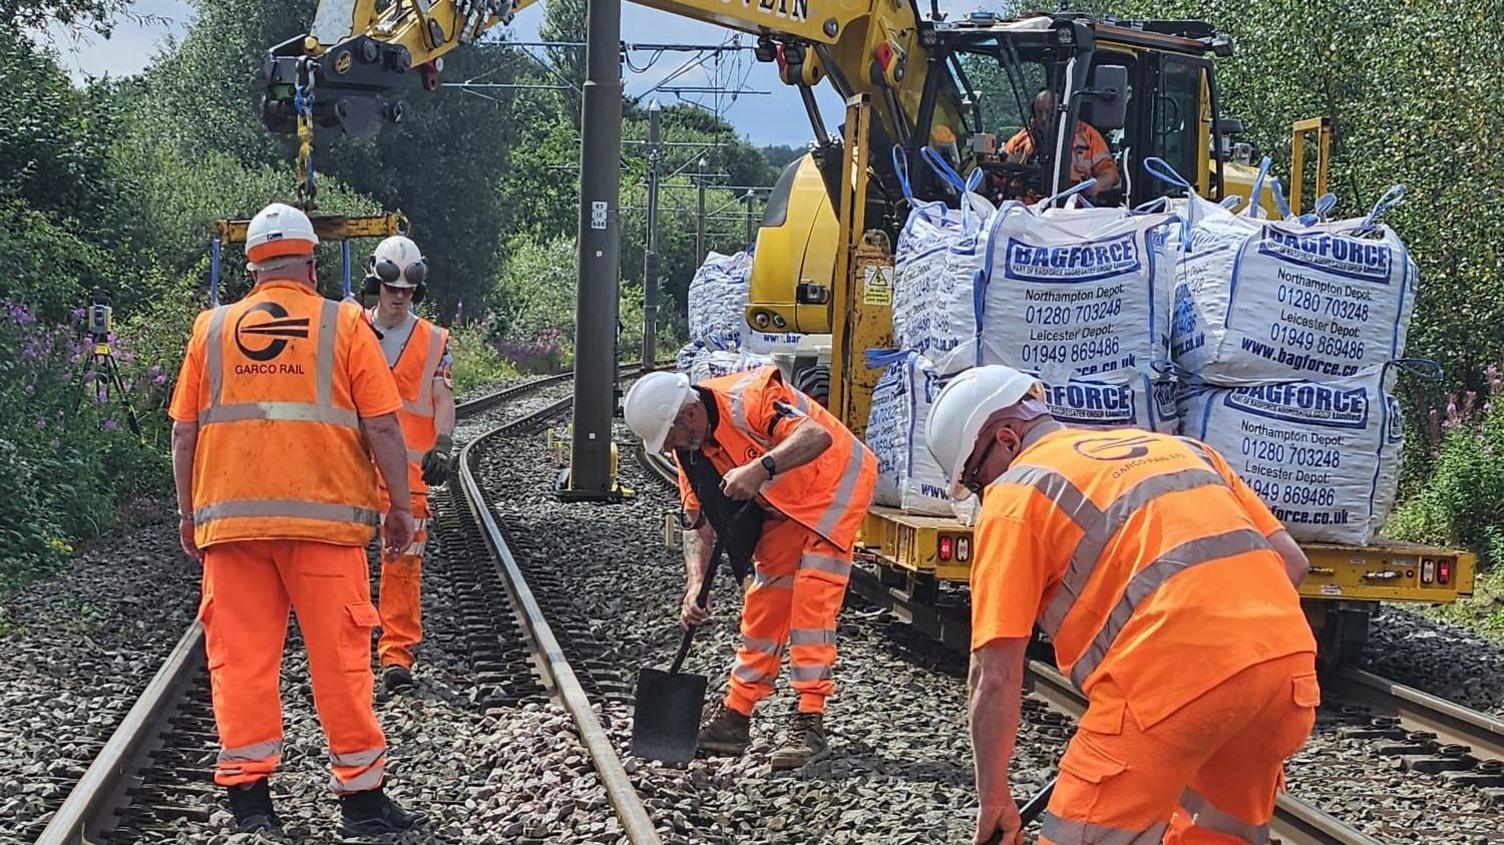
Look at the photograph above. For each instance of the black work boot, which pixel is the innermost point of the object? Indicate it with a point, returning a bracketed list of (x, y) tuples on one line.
[(252, 805), (396, 678), (727, 733), (373, 814), (805, 743)]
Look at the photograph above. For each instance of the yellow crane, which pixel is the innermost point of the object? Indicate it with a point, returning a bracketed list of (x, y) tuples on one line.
[(910, 81)]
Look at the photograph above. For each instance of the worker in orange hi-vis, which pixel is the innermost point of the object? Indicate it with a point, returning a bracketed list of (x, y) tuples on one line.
[(1167, 588), (282, 401), (1090, 156), (418, 353), (766, 441)]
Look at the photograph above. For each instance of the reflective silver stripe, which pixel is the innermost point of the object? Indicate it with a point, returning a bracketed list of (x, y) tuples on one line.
[(290, 508), (749, 675), (1150, 578), (357, 758), (279, 411), (800, 401), (214, 354), (1069, 832), (826, 563), (363, 782), (430, 366), (416, 549), (812, 636), (324, 366), (1099, 533), (1205, 815), (780, 582), (1200, 449), (415, 457), (739, 409), (768, 647), (841, 501), (810, 673), (254, 753)]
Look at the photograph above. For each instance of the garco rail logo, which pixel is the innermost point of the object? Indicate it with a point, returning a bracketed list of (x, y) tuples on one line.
[(279, 327), (1114, 448)]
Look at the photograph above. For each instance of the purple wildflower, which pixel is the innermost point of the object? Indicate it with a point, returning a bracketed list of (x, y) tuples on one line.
[(159, 379), (111, 425)]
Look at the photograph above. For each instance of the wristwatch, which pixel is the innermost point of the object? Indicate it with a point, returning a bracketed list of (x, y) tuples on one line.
[(769, 465)]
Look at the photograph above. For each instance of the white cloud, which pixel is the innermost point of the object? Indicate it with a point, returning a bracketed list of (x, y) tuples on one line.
[(129, 48)]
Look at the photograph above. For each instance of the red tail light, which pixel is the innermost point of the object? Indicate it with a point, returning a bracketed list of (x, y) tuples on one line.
[(947, 546), (1443, 571)]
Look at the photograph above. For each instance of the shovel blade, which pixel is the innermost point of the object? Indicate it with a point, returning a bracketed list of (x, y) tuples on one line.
[(666, 715)]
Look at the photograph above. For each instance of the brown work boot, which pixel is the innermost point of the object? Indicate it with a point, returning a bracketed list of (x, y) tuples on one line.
[(805, 743), (727, 733)]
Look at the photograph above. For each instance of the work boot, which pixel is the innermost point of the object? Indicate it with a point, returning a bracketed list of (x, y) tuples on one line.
[(727, 733), (805, 743), (252, 805), (373, 814), (396, 678)]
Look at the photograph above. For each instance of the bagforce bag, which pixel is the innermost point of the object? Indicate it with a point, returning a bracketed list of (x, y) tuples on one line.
[(907, 475), (1325, 456), (1076, 292)]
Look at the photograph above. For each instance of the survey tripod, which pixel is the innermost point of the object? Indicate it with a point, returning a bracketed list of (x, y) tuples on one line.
[(101, 357)]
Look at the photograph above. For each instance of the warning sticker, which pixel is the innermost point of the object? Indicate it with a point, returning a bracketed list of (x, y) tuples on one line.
[(878, 289)]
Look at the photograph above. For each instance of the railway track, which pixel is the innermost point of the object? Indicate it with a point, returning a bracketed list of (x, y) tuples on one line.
[(1425, 734), (152, 779)]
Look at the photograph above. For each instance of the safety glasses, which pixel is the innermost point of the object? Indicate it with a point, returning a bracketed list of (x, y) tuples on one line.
[(969, 476), (398, 291)]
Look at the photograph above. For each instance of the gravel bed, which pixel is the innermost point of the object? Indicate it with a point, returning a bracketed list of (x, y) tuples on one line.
[(484, 774), (82, 645), (1351, 780), (470, 427), (1438, 657), (902, 769)]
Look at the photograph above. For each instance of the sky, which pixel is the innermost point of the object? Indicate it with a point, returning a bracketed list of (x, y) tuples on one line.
[(775, 118)]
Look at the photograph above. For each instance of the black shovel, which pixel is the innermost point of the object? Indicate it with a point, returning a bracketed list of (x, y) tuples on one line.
[(666, 718)]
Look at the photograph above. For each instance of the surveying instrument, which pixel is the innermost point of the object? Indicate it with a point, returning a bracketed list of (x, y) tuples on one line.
[(102, 357)]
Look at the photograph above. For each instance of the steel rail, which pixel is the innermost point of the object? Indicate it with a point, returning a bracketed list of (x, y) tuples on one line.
[(630, 810), (1452, 723), (87, 812)]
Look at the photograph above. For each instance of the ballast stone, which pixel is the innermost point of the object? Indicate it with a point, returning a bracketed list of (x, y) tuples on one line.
[(1325, 456), (1259, 300)]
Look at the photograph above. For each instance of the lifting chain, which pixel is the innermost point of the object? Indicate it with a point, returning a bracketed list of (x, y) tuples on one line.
[(303, 105)]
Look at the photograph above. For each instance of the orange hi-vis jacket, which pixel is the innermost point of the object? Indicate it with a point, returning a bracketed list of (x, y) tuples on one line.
[(415, 371), (1143, 556), (278, 383), (755, 411)]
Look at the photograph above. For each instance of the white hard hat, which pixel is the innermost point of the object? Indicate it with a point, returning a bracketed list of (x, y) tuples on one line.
[(398, 262), (962, 408), (652, 404), (279, 230)]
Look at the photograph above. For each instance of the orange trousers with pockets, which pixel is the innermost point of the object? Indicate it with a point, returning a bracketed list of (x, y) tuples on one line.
[(792, 604), (1207, 773), (248, 587), (401, 593)]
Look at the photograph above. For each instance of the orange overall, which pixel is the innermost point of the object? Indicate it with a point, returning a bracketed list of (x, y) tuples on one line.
[(419, 365), (1144, 557), (803, 558), (284, 503)]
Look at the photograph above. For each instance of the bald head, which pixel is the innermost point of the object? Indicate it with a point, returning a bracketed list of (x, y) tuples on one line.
[(1045, 104)]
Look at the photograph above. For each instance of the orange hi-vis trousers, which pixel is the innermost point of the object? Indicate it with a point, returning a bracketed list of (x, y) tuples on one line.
[(1208, 773), (248, 586), (797, 591), (401, 592)]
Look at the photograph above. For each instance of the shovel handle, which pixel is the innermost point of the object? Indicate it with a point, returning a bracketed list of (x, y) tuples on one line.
[(707, 584), (1029, 811)]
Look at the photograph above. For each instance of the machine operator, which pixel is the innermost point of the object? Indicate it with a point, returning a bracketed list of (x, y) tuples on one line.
[(418, 353), (814, 480), (1167, 588), (281, 404), (1090, 157)]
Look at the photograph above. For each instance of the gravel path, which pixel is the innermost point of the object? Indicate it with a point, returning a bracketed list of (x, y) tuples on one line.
[(473, 426), (902, 765), (1438, 657), (82, 646)]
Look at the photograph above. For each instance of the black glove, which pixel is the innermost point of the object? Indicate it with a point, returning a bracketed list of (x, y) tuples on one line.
[(439, 461)]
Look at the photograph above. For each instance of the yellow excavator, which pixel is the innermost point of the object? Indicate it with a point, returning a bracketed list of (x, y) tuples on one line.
[(910, 81)]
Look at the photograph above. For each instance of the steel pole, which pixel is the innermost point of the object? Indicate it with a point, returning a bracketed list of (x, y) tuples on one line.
[(650, 254), (700, 220), (599, 255), (751, 230)]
